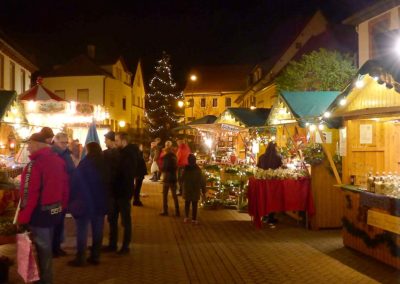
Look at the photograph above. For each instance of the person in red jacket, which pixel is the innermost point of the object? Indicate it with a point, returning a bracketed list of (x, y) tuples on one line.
[(182, 155), (44, 195)]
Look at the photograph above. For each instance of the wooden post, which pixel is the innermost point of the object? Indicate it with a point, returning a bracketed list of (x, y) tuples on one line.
[(330, 159)]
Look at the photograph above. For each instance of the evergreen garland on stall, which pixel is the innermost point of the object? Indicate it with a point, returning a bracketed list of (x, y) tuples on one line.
[(383, 238), (161, 104)]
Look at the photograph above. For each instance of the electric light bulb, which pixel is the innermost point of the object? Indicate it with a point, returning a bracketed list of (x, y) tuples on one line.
[(327, 114), (321, 127), (343, 102), (359, 84), (312, 128)]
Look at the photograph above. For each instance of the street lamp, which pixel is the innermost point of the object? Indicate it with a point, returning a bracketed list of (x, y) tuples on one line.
[(193, 77)]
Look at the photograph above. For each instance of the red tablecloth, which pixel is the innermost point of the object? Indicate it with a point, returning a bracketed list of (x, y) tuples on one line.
[(266, 196)]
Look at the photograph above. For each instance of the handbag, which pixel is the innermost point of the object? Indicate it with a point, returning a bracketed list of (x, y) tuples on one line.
[(154, 167), (26, 260)]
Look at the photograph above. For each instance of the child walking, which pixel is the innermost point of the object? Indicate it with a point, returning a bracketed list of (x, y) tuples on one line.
[(194, 184)]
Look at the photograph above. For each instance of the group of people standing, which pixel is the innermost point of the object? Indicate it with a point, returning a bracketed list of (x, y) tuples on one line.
[(180, 174), (103, 183)]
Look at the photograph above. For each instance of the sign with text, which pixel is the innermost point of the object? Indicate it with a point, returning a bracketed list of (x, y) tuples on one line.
[(228, 127), (366, 134), (384, 221)]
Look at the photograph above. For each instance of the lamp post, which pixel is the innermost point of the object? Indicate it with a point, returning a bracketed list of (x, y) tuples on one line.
[(181, 104)]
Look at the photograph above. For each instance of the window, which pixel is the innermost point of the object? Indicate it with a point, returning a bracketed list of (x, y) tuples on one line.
[(190, 103), (203, 102), (133, 99), (124, 103), (83, 95), (12, 76), (138, 101), (60, 93), (215, 102), (22, 80), (228, 102), (1, 71), (375, 29), (118, 74)]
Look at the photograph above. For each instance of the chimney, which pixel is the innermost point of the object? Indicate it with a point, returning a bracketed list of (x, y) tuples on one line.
[(91, 51)]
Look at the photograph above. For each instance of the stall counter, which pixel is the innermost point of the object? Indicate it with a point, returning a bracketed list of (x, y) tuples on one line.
[(371, 224)]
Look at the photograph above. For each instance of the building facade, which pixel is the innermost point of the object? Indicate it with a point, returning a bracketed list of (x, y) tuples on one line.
[(373, 22), (85, 79), (212, 89), (15, 67)]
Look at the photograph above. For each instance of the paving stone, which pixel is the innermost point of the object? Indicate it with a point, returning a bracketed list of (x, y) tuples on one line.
[(224, 248)]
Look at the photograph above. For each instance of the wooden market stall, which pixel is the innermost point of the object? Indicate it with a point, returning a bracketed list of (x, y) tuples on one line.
[(370, 145), (297, 119), (234, 126)]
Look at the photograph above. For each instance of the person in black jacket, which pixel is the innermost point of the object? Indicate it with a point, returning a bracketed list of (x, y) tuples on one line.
[(169, 170), (111, 159), (270, 160), (125, 182), (141, 172)]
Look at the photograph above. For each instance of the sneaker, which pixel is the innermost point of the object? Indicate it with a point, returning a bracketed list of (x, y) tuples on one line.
[(163, 214), (76, 262), (93, 261), (195, 222), (123, 251), (137, 203), (59, 252), (186, 220), (109, 249)]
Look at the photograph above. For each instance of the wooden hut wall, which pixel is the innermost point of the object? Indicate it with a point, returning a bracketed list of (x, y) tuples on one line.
[(382, 155)]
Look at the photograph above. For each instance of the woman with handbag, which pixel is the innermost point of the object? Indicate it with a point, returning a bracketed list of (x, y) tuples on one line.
[(88, 203)]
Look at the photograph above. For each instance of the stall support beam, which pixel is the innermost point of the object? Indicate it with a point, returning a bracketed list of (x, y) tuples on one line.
[(330, 159)]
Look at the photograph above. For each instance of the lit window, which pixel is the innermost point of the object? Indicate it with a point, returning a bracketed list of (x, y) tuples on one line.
[(83, 95), (203, 102), (228, 102), (215, 102)]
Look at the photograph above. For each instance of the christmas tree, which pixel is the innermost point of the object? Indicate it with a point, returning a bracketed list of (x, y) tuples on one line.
[(162, 107)]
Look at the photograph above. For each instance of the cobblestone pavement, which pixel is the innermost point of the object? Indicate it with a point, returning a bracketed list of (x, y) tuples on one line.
[(223, 248)]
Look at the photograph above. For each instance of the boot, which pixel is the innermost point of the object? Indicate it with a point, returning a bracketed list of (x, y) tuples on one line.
[(78, 261)]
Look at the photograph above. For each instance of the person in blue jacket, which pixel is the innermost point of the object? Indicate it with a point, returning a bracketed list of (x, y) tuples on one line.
[(88, 203)]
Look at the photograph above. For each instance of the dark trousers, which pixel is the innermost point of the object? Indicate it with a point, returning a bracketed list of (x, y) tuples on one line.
[(180, 180), (82, 228), (42, 238), (166, 187), (120, 206), (138, 188), (194, 209), (58, 235)]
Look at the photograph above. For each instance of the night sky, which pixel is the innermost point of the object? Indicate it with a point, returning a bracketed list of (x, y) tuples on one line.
[(193, 32)]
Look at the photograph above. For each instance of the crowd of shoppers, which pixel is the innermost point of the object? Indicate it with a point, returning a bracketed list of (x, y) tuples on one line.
[(56, 182)]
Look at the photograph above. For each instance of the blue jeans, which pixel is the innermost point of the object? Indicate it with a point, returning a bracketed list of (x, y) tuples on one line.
[(82, 227), (43, 238)]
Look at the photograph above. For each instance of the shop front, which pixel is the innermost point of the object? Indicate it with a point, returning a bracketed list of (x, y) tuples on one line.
[(370, 144)]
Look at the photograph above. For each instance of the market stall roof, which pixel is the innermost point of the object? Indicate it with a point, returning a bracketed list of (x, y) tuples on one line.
[(301, 107), (244, 117), (309, 104), (208, 119), (39, 93), (6, 99), (374, 89)]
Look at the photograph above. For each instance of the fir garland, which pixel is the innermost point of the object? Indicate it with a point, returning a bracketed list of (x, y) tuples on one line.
[(387, 238)]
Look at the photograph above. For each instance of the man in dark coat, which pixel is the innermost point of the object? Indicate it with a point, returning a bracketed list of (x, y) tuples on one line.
[(141, 172), (125, 182), (60, 147), (169, 169), (111, 159)]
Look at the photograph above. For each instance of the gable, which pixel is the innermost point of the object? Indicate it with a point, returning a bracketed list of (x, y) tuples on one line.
[(280, 113)]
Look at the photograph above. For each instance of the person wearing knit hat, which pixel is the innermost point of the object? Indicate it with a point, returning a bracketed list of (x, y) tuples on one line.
[(47, 132)]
